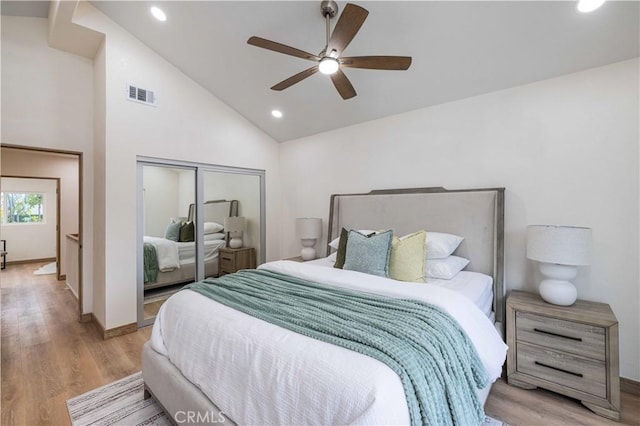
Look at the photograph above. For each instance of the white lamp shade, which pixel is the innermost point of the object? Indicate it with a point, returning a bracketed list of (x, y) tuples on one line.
[(308, 228), (564, 245), (235, 224)]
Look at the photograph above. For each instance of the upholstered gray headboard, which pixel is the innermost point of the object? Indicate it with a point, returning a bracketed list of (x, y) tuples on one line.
[(216, 210), (475, 214)]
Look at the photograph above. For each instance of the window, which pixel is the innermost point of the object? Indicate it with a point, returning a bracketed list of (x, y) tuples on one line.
[(21, 207)]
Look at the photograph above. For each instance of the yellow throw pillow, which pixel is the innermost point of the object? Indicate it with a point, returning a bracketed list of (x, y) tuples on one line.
[(407, 260)]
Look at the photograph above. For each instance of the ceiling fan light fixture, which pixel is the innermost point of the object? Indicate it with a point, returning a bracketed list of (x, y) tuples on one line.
[(586, 6), (158, 14), (328, 65)]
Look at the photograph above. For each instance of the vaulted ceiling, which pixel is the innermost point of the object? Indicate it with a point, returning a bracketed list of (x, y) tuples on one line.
[(460, 49)]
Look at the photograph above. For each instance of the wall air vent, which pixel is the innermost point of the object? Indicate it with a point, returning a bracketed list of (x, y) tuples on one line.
[(144, 96)]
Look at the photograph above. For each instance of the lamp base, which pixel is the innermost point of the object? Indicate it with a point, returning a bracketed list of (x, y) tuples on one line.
[(558, 292), (235, 243), (557, 289), (308, 253)]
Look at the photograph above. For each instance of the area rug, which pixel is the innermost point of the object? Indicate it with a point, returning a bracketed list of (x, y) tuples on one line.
[(49, 268), (118, 403), (123, 403)]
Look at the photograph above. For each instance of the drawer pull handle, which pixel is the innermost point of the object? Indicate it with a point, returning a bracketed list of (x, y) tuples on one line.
[(577, 339), (558, 369)]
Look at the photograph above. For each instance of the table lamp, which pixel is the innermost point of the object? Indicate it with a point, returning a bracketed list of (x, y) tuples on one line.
[(308, 229), (560, 250), (235, 226)]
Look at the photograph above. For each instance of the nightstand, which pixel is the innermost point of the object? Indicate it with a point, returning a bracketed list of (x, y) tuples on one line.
[(232, 260), (295, 259), (571, 350)]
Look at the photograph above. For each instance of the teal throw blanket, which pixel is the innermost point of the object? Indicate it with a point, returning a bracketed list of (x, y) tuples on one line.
[(437, 364), (150, 263)]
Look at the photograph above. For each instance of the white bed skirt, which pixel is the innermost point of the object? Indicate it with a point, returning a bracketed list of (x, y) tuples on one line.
[(181, 398), (186, 273)]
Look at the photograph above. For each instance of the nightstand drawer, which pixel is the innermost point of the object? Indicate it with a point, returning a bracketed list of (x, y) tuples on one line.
[(227, 262), (567, 336), (577, 373)]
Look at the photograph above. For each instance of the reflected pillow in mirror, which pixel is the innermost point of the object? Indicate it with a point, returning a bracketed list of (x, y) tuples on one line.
[(187, 232), (173, 230), (212, 227)]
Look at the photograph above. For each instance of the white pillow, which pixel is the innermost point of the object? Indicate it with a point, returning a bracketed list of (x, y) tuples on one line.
[(212, 227), (214, 236), (441, 245), (334, 243), (446, 268)]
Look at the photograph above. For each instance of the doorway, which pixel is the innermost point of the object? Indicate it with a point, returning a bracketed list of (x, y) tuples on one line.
[(29, 213), (64, 167)]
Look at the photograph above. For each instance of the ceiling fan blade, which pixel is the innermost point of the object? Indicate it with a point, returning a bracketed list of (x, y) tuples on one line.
[(343, 85), (348, 24), (281, 48), (296, 78), (377, 62)]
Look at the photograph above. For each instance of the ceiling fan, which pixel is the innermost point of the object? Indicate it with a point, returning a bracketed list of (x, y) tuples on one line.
[(330, 60)]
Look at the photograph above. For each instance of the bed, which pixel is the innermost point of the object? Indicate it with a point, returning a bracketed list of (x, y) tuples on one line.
[(257, 372), (176, 260)]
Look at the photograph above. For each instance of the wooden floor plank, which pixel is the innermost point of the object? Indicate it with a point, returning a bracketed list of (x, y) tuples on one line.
[(12, 384)]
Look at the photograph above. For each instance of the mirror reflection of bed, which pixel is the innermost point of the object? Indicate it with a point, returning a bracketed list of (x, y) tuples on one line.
[(170, 256)]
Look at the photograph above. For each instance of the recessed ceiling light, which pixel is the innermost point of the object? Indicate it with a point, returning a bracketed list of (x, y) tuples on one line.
[(586, 6), (276, 113), (158, 14)]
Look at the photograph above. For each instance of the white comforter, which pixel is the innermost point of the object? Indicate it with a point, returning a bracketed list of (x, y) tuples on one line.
[(259, 373), (166, 252)]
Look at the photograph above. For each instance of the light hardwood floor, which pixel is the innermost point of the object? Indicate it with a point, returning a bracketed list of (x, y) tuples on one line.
[(48, 357)]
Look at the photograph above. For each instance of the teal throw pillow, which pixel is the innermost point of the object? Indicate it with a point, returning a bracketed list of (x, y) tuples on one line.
[(341, 254), (173, 231), (369, 255)]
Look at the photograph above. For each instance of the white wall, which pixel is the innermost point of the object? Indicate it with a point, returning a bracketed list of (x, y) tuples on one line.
[(160, 198), (187, 124), (28, 241), (47, 102), (566, 150), (99, 184)]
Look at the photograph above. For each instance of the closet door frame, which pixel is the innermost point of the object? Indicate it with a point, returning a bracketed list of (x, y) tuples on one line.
[(200, 169)]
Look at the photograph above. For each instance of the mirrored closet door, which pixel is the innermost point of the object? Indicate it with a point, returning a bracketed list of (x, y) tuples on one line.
[(169, 250), (244, 235), (194, 221)]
